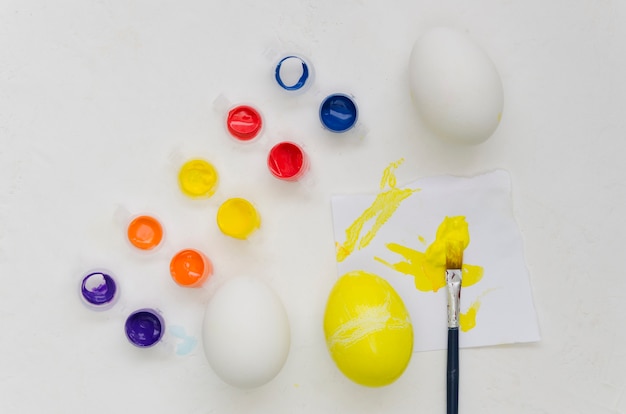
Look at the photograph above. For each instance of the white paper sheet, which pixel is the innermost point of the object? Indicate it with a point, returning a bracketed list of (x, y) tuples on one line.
[(506, 313)]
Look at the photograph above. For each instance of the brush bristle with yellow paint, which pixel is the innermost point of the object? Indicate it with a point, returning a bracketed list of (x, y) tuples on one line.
[(454, 255), (454, 272)]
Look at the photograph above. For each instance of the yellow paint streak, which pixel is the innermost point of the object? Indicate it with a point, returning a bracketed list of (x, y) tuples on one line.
[(368, 321), (428, 268), (383, 207), (467, 320)]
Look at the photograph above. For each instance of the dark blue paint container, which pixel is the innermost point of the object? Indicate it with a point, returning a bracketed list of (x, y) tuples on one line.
[(338, 113)]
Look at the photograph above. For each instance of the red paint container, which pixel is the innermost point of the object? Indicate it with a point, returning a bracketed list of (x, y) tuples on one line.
[(244, 122), (287, 161)]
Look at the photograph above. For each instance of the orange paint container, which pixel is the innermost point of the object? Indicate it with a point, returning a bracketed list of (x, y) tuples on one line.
[(145, 232), (190, 268)]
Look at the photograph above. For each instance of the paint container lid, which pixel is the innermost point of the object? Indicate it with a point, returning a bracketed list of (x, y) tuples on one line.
[(198, 178), (244, 123), (238, 218), (145, 232), (144, 328), (287, 161), (190, 268), (98, 290), (338, 113), (293, 73)]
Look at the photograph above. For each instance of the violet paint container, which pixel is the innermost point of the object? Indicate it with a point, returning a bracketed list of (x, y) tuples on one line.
[(144, 328), (98, 290)]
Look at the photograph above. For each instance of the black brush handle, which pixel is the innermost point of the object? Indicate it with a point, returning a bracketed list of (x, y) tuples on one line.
[(453, 371)]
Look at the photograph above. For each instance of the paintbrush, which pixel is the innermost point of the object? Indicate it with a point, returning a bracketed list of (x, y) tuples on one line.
[(454, 264)]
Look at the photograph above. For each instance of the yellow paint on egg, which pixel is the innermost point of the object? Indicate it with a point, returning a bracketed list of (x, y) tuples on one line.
[(238, 218), (368, 329), (383, 207), (198, 179)]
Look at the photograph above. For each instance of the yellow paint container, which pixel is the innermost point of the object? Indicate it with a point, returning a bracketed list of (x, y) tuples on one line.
[(198, 179), (238, 218)]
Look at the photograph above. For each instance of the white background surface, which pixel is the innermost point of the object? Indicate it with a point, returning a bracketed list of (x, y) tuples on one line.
[(96, 95)]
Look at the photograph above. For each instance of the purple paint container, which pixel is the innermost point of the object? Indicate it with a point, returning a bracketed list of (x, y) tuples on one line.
[(144, 328), (99, 290)]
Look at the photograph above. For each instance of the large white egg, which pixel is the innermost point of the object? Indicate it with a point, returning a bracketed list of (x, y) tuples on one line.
[(246, 332), (455, 86)]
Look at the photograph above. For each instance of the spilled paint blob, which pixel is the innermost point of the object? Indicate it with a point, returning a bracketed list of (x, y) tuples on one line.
[(383, 207), (428, 268), (186, 343)]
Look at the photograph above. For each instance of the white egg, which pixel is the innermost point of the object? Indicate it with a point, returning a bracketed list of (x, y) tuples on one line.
[(246, 332), (455, 86)]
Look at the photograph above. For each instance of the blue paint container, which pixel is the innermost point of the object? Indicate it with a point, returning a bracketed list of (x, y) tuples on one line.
[(98, 290), (144, 328), (293, 73), (338, 113)]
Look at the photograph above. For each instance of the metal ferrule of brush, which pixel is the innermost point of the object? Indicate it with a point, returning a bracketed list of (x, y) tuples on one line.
[(453, 280)]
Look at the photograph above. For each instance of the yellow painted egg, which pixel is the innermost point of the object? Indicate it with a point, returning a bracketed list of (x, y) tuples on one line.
[(368, 329)]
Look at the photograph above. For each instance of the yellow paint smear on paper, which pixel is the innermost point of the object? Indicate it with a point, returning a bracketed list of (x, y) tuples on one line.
[(467, 320), (383, 207), (428, 268)]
